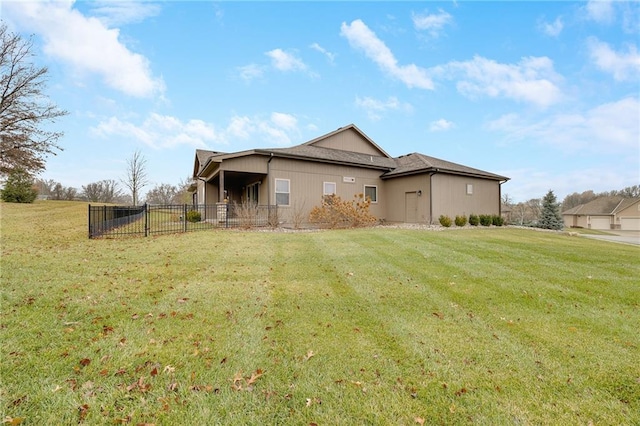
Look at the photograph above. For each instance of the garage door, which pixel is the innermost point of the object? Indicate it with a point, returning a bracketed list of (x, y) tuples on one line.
[(600, 223), (630, 223)]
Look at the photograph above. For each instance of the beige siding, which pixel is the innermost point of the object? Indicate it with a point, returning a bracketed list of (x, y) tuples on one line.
[(248, 164), (348, 141), (632, 211), (450, 196), (306, 185), (396, 198)]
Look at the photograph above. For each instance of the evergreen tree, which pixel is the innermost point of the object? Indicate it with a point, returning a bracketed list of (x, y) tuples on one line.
[(19, 188), (550, 217)]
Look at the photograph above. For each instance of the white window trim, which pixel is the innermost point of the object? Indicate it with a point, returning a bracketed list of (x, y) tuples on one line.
[(276, 191), (324, 188), (364, 192), (469, 189)]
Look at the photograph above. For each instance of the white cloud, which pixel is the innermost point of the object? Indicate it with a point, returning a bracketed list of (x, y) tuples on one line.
[(250, 72), (86, 44), (360, 37), (285, 61), (159, 131), (240, 128), (433, 23), (285, 121), (552, 29), (330, 56), (375, 108), (116, 13), (600, 11), (607, 128), (622, 65), (279, 129), (532, 80), (440, 125)]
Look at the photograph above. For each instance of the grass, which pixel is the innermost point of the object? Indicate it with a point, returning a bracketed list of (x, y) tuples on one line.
[(369, 326)]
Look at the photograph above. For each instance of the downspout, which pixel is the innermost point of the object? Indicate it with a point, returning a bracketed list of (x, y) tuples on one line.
[(269, 180), (431, 197), (500, 196)]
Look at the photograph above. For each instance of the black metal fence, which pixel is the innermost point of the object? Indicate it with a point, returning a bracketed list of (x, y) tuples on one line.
[(153, 219)]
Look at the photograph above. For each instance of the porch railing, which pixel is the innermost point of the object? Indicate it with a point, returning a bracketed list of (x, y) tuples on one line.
[(154, 219)]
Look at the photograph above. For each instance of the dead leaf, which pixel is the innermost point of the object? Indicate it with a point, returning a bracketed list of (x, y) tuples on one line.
[(461, 391), (18, 401), (309, 355), (154, 372), (83, 410), (13, 421), (254, 376), (439, 315), (85, 361), (419, 420)]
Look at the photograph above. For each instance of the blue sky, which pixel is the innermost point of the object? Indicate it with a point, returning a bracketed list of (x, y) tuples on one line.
[(546, 93)]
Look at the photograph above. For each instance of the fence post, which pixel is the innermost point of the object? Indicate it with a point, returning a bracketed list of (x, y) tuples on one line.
[(146, 220), (89, 220), (184, 217)]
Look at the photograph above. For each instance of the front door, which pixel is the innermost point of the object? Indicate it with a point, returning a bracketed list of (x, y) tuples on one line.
[(252, 193), (410, 207)]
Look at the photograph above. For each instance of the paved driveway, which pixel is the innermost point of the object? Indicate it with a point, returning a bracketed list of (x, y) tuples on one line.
[(627, 237)]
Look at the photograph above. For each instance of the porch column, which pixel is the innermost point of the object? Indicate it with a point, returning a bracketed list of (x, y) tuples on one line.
[(221, 187)]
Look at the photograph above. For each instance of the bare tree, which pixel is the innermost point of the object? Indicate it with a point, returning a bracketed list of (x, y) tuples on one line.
[(24, 108), (162, 194), (136, 177), (105, 191)]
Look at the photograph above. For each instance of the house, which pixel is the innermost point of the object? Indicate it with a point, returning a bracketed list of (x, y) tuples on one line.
[(605, 213), (413, 188)]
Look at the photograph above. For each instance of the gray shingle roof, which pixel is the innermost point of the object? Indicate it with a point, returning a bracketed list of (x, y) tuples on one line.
[(334, 156), (599, 206), (420, 163)]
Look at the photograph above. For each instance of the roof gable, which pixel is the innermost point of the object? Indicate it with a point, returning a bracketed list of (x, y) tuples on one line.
[(600, 206), (348, 138), (626, 203)]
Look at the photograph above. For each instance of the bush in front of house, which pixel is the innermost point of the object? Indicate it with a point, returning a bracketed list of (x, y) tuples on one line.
[(461, 220), (486, 220), (194, 216), (445, 221), (497, 220), (474, 220), (334, 212)]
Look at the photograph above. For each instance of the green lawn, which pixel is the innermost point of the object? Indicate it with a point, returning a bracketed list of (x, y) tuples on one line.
[(370, 326)]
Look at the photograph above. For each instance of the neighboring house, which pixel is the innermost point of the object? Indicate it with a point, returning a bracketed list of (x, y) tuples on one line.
[(605, 213), (413, 188)]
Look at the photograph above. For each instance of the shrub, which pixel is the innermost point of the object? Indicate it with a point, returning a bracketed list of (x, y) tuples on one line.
[(194, 216), (497, 220), (19, 188), (474, 220), (486, 220), (445, 221), (461, 220), (337, 213)]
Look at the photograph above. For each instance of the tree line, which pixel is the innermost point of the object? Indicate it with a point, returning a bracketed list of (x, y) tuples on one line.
[(110, 191), (529, 213)]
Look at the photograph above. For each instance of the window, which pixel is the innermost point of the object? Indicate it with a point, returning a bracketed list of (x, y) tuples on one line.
[(371, 192), (282, 192), (469, 189), (329, 188)]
